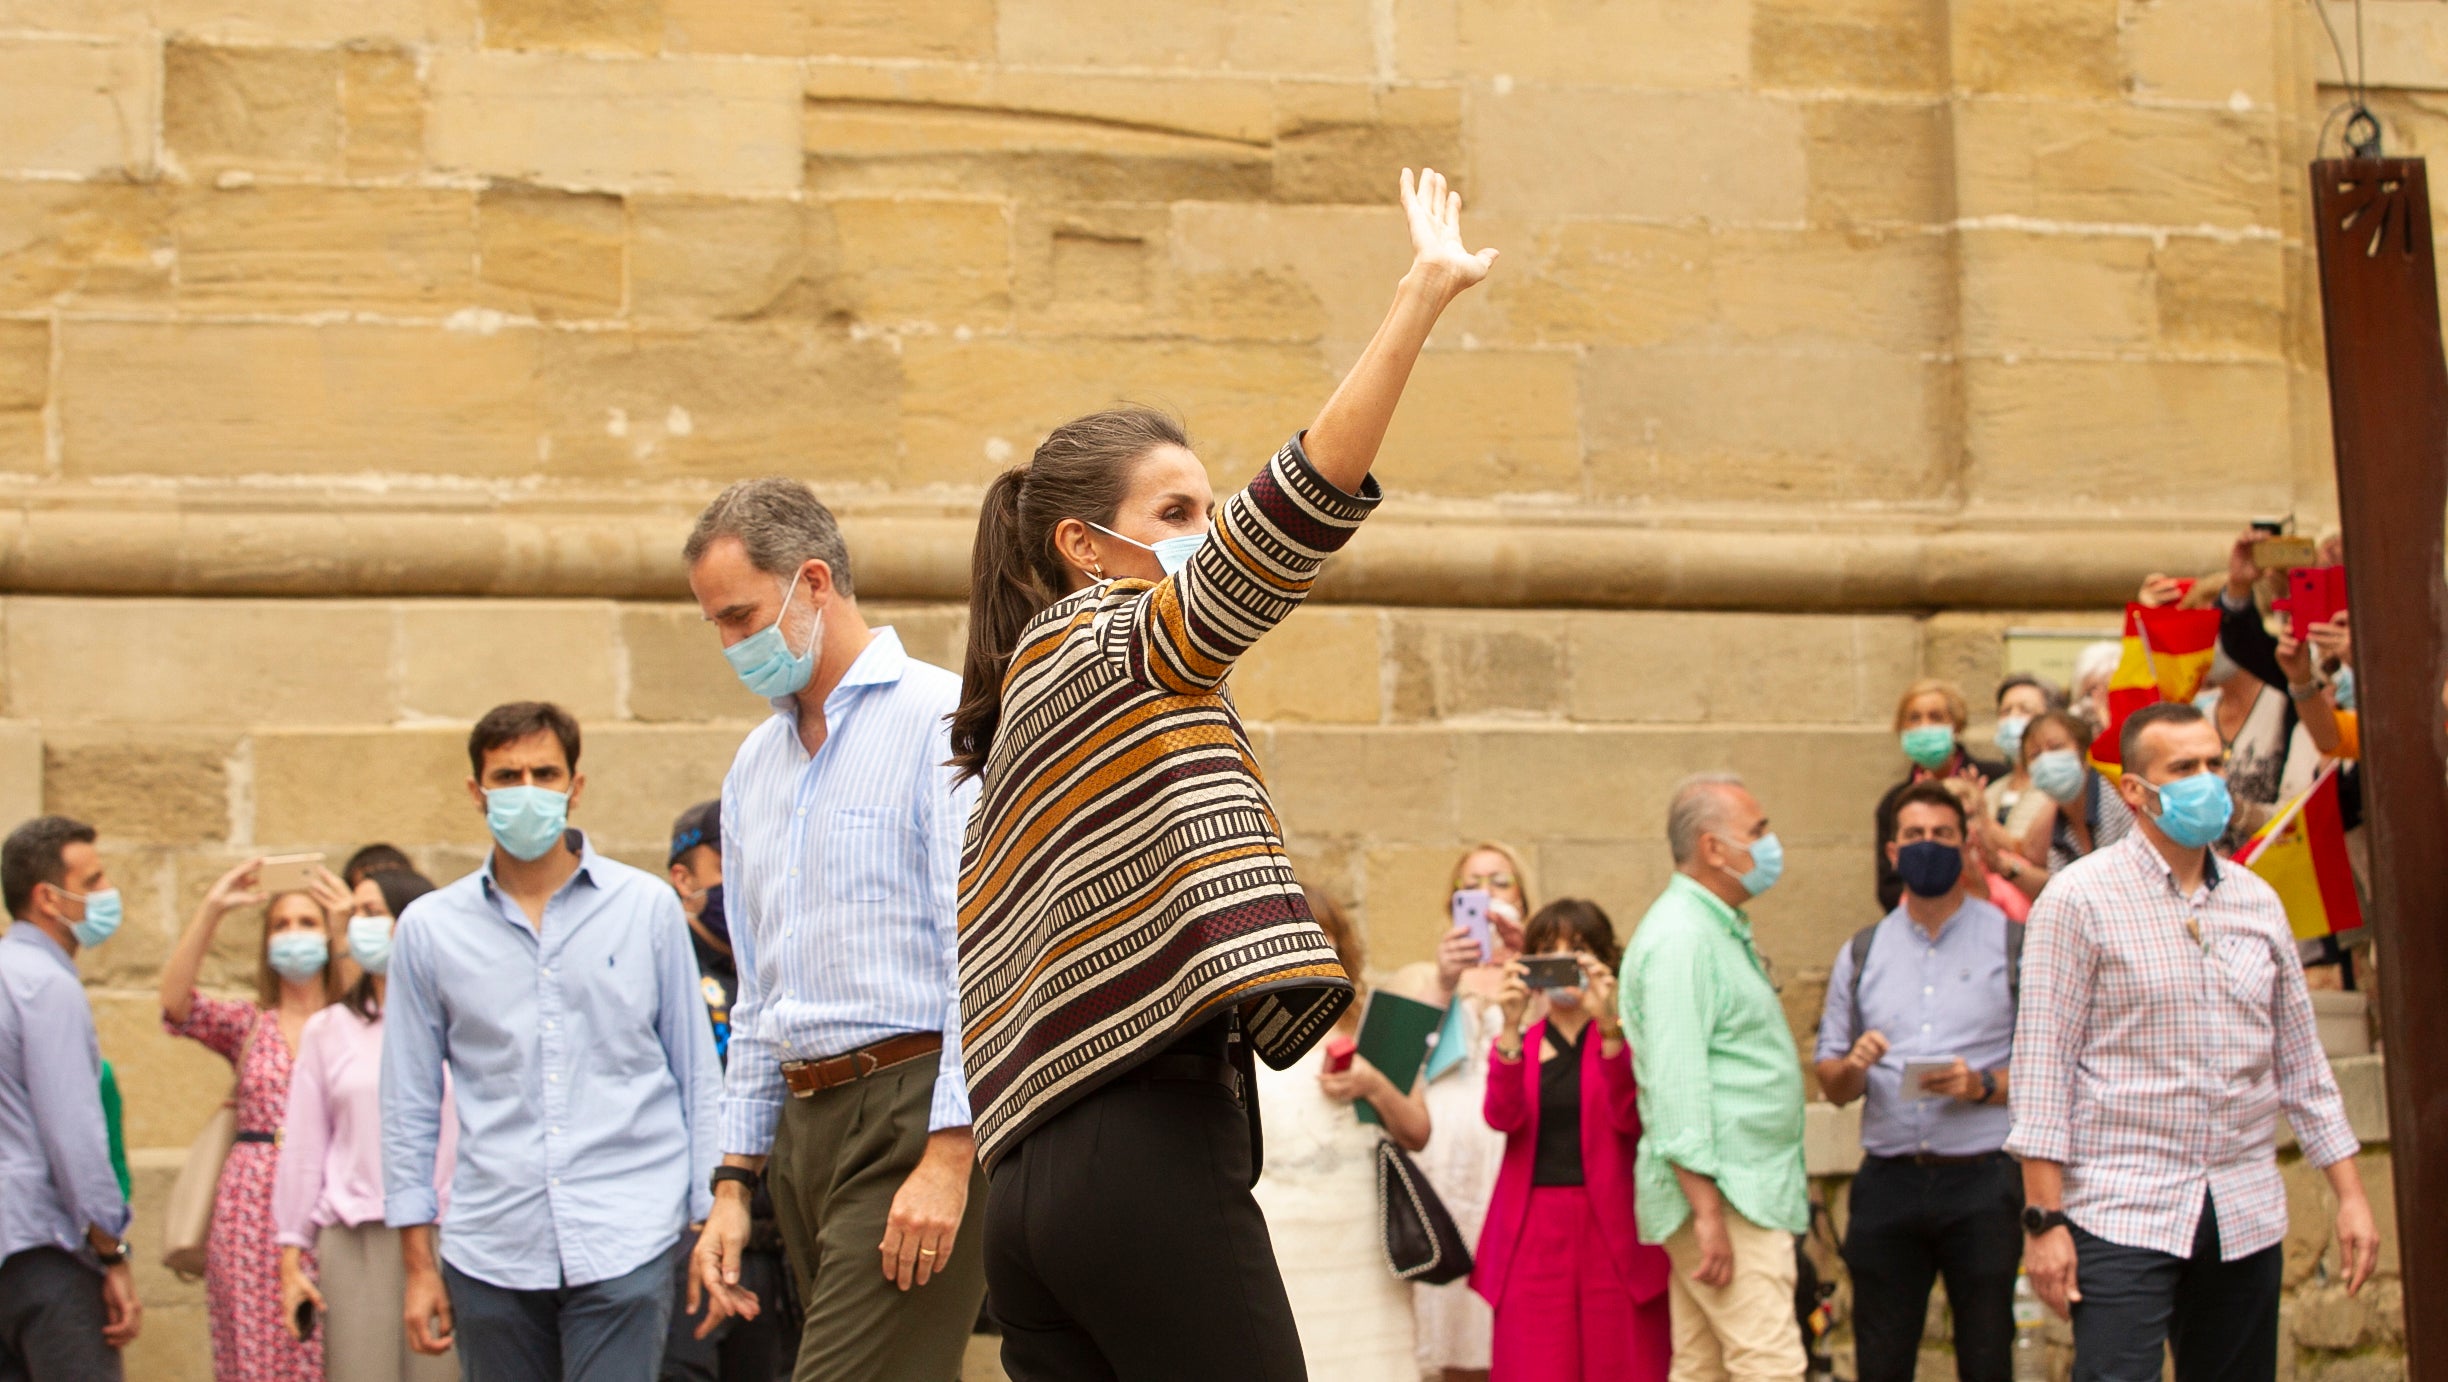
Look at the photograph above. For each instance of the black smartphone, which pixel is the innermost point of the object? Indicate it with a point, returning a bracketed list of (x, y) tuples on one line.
[(2269, 527), (1552, 972), (305, 1319)]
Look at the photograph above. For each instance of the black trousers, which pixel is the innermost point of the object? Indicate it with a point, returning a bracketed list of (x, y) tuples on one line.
[(2220, 1317), (1911, 1224), (51, 1318), (1122, 1242)]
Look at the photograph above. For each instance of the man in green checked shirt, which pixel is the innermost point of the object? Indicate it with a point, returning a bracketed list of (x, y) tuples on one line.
[(1719, 1175)]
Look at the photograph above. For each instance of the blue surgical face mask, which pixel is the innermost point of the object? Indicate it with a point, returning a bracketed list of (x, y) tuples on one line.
[(2193, 811), (527, 821), (299, 955), (2058, 774), (2344, 682), (1767, 862), (1172, 553), (370, 941), (2010, 736), (1929, 746), (102, 916), (764, 662)]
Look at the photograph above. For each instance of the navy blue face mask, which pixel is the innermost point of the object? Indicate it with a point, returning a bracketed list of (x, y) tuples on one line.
[(711, 916), (1930, 867)]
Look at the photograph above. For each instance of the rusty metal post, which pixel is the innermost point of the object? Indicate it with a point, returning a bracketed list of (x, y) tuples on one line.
[(2388, 399)]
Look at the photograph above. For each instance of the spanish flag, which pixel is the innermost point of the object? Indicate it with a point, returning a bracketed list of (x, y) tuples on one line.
[(2167, 656), (2301, 854)]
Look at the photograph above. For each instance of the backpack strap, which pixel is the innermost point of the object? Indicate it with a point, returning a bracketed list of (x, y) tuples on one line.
[(2014, 963), (1860, 946)]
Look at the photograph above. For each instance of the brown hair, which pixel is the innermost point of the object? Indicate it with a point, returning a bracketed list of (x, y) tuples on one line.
[(2073, 724), (1345, 937), (1927, 793), (268, 980), (1573, 921), (1081, 470), (399, 887), (507, 724), (1957, 710)]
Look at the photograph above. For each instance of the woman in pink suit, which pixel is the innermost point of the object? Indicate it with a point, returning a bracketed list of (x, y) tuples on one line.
[(1576, 1294)]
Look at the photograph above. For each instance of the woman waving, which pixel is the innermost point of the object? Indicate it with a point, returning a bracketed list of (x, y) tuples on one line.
[(1131, 933)]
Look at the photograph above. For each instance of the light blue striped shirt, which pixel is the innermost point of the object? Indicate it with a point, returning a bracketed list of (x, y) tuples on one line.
[(841, 877), (582, 1070)]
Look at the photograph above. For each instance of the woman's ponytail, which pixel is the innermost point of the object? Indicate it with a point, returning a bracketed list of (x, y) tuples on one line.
[(1082, 470), (1004, 595)]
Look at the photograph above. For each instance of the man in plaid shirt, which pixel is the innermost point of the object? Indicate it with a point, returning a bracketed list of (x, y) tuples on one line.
[(2164, 1024)]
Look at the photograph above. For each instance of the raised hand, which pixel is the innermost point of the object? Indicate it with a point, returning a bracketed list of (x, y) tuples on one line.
[(235, 889), (1435, 213)]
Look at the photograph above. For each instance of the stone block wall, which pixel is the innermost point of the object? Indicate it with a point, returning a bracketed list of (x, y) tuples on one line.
[(362, 364), (480, 297)]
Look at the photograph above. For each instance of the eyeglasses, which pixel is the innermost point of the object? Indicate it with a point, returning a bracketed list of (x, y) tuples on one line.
[(1490, 881)]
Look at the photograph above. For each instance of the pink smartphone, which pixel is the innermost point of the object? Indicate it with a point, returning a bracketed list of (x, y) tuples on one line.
[(1470, 911)]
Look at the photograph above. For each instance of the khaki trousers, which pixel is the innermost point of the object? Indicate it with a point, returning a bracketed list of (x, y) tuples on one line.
[(365, 1337), (839, 1157), (1743, 1331)]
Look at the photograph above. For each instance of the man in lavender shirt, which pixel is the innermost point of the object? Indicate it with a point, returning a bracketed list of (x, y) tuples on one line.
[(1920, 1017), (67, 1295)]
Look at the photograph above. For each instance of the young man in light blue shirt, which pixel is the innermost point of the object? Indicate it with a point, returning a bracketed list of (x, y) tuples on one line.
[(1929, 992), (559, 990)]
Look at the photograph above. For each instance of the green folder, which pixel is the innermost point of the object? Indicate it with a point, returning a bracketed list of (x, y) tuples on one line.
[(1394, 1033)]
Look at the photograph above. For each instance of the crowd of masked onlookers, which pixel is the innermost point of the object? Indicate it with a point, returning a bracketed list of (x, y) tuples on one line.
[(2071, 1026)]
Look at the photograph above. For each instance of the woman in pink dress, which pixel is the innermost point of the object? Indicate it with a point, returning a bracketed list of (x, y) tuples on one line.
[(295, 978), (1577, 1296)]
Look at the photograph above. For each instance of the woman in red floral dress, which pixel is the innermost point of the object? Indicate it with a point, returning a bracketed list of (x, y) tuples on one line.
[(295, 978)]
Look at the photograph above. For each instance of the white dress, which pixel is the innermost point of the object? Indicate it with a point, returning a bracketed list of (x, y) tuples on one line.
[(1319, 1194), (1461, 1161)]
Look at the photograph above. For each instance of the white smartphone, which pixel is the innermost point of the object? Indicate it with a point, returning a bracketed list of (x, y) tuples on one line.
[(287, 873), (1919, 1072), (1470, 911)]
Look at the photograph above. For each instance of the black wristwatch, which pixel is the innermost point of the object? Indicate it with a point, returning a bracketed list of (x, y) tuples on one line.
[(1988, 1085), (2037, 1221), (738, 1173), (114, 1257)]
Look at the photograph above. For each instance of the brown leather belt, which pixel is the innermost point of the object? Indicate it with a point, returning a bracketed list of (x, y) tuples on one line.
[(806, 1077)]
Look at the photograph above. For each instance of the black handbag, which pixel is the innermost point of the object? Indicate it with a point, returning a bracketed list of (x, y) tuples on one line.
[(1422, 1243)]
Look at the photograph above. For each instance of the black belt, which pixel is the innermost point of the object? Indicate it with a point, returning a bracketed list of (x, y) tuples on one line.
[(250, 1135), (1933, 1159)]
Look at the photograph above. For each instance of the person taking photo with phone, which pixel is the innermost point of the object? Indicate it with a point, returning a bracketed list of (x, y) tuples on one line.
[(1131, 930), (1577, 1296), (294, 979), (1919, 1021), (1487, 902)]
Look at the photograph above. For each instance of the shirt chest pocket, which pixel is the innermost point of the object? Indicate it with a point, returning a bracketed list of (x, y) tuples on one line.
[(2246, 966), (868, 852)]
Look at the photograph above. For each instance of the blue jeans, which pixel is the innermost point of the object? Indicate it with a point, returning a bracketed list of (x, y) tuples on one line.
[(605, 1331)]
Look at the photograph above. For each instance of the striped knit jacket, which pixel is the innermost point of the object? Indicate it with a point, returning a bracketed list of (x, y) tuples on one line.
[(1123, 878)]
